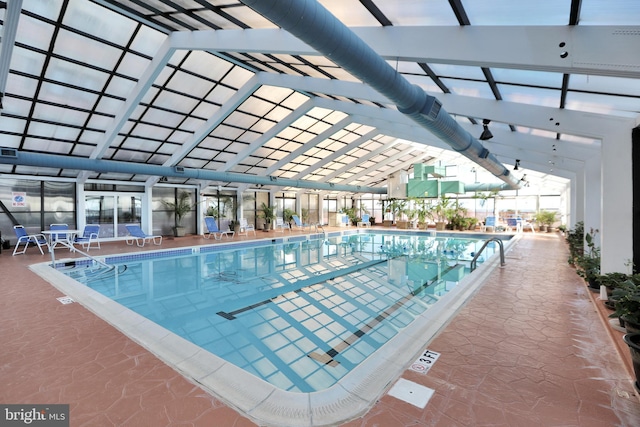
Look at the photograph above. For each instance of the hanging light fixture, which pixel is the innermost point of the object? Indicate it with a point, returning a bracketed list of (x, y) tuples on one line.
[(486, 133), (517, 165)]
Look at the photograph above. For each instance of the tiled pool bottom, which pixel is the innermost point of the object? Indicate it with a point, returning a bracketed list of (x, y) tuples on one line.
[(348, 399)]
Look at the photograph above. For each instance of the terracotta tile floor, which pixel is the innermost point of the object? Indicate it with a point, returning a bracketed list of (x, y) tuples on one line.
[(533, 348)]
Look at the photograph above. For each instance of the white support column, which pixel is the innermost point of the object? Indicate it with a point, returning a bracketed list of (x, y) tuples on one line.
[(592, 197), (617, 202), (147, 211)]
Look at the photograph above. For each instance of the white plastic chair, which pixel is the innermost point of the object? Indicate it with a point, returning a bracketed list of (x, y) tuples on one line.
[(245, 228), (278, 226)]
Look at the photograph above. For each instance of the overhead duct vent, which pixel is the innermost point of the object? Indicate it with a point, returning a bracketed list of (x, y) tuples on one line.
[(9, 153), (179, 169)]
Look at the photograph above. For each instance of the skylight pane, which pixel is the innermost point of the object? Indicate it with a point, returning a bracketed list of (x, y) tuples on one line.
[(351, 12), (530, 95), (26, 60), (469, 88), (133, 65), (32, 32), (610, 12), (418, 12), (66, 72), (86, 50), (603, 104), (527, 77), (605, 84), (100, 22), (539, 12), (458, 71)]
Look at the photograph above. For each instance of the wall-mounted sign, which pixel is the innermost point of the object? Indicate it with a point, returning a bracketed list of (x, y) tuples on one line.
[(18, 199)]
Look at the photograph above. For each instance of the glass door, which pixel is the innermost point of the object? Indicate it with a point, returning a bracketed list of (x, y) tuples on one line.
[(112, 212)]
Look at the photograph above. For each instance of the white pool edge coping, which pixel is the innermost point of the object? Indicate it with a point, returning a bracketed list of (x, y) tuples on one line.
[(259, 400)]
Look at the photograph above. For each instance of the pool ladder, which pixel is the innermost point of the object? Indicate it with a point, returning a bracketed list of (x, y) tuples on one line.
[(493, 239)]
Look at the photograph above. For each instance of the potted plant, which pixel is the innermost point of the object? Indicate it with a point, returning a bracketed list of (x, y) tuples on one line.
[(589, 262), (575, 240), (627, 304), (633, 341), (268, 214), (440, 210), (287, 215), (179, 209)]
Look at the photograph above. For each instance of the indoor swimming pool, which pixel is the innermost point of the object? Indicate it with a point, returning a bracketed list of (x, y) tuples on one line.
[(300, 314)]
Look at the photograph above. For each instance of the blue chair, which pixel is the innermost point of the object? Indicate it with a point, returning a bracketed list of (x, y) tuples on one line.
[(365, 221), (140, 237), (38, 239), (489, 221), (213, 230), (58, 237), (297, 223), (90, 235)]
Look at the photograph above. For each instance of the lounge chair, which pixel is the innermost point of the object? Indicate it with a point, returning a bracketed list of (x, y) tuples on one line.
[(489, 224), (297, 223), (140, 237), (39, 239), (514, 225), (89, 236), (213, 230), (245, 228), (364, 222)]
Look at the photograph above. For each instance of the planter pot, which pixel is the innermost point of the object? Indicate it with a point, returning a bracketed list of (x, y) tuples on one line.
[(387, 223), (630, 326), (179, 231), (440, 226), (402, 224), (593, 284), (633, 341)]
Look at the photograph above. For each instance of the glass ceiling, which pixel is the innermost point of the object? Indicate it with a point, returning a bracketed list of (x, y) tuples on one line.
[(104, 79)]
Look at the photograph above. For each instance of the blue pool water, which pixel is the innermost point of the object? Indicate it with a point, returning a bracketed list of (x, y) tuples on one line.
[(299, 315)]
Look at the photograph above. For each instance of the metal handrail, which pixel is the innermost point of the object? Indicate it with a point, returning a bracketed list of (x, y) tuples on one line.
[(493, 239), (74, 249)]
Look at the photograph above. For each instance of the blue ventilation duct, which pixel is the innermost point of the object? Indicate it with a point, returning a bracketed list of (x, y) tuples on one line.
[(313, 24), (14, 157)]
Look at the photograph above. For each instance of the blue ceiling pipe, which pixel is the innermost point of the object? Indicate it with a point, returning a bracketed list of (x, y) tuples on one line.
[(309, 21), (15, 157)]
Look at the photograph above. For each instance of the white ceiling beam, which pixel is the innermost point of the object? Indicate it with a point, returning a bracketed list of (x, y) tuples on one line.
[(7, 41), (565, 121), (588, 48)]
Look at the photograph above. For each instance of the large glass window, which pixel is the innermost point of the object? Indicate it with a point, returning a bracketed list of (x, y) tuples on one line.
[(113, 212), (222, 206)]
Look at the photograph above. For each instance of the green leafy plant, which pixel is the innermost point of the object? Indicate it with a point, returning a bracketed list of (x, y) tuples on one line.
[(627, 301), (589, 262), (267, 212), (181, 207)]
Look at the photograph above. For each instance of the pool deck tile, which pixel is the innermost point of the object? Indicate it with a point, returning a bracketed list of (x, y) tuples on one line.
[(532, 348)]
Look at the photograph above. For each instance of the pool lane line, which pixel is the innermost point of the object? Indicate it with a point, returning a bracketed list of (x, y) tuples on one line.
[(302, 284), (327, 357)]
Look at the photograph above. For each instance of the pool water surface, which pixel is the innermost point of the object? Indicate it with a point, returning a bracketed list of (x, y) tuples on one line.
[(299, 315)]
